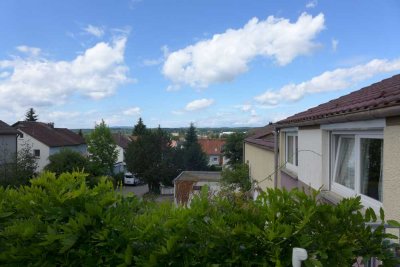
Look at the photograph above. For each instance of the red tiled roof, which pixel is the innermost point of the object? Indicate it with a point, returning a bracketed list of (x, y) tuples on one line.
[(263, 137), (385, 93), (6, 129), (48, 135), (212, 146), (121, 140)]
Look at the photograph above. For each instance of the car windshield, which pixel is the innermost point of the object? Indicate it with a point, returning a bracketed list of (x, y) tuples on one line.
[(128, 176)]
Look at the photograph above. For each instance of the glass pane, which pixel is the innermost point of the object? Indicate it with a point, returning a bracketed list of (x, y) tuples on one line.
[(345, 165), (296, 144), (289, 156), (371, 168)]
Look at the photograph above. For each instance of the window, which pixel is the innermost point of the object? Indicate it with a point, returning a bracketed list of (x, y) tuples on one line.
[(357, 161), (21, 135), (292, 151), (36, 153)]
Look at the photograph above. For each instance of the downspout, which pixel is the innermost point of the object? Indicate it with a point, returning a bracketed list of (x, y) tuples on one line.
[(276, 156)]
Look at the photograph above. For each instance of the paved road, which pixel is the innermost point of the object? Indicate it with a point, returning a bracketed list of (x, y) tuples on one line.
[(138, 190)]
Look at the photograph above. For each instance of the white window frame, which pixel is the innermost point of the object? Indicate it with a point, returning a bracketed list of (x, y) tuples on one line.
[(290, 166), (341, 189)]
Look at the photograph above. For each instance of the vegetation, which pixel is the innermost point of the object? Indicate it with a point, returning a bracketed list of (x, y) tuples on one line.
[(17, 169), (67, 160), (60, 221), (102, 149), (237, 177), (139, 129), (194, 157), (233, 149), (30, 115)]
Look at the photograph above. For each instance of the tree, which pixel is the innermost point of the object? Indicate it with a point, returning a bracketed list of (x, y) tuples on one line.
[(233, 149), (102, 149), (194, 157), (67, 160), (151, 157), (19, 168), (30, 115), (139, 128), (238, 177), (80, 133)]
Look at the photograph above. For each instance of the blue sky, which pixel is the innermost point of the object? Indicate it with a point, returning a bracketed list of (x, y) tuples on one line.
[(214, 63)]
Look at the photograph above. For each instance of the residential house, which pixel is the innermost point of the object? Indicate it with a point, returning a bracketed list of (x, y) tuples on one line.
[(8, 143), (45, 140), (346, 147), (258, 153), (189, 183), (122, 142), (213, 149)]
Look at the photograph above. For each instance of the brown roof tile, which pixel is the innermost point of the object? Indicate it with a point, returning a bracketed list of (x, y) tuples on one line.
[(121, 140), (385, 93), (263, 137), (48, 135), (212, 146), (6, 129)]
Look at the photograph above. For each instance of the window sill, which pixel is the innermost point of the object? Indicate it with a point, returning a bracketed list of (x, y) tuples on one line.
[(331, 197), (290, 173)]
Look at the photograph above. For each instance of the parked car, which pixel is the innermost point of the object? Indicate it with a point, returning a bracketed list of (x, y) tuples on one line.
[(130, 179)]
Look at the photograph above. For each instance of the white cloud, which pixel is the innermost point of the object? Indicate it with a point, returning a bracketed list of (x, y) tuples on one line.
[(132, 111), (199, 104), (226, 55), (96, 74), (335, 44), (312, 4), (31, 51), (173, 87), (337, 79), (95, 31)]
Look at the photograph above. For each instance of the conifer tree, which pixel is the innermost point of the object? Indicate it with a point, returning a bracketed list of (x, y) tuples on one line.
[(139, 129), (30, 115)]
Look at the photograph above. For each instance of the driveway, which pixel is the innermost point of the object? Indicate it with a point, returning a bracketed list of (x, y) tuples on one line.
[(138, 190)]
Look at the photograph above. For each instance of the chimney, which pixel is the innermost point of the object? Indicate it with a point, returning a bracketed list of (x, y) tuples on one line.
[(51, 125)]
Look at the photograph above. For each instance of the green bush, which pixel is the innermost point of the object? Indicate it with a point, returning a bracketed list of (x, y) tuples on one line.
[(63, 222)]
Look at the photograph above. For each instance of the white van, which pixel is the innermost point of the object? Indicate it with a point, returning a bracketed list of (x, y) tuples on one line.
[(130, 179)]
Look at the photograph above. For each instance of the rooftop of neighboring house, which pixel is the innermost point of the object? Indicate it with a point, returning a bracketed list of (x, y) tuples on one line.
[(49, 135), (121, 140), (6, 129), (199, 176), (262, 137), (379, 100), (212, 146)]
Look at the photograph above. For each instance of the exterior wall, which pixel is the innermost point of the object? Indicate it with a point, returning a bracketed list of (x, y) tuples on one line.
[(286, 178), (120, 154), (261, 164), (8, 148), (212, 162), (391, 169), (309, 170), (42, 161)]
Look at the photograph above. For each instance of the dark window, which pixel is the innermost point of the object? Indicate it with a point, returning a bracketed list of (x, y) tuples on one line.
[(21, 135), (36, 152), (197, 187)]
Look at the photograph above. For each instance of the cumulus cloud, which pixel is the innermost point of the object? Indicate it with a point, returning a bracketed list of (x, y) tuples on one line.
[(199, 104), (131, 111), (337, 79), (312, 4), (96, 74), (227, 55), (95, 31), (31, 51)]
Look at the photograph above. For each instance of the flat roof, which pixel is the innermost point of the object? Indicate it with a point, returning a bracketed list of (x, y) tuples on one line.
[(197, 176)]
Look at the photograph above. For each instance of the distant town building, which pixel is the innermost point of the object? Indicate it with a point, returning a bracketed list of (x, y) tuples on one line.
[(213, 148)]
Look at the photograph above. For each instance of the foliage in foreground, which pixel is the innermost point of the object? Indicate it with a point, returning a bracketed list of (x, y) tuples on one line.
[(62, 222)]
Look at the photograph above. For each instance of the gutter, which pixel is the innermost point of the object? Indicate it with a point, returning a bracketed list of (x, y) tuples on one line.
[(349, 117), (276, 156)]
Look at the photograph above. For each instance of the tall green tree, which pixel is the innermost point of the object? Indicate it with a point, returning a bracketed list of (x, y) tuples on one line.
[(102, 149), (30, 115), (233, 148), (194, 159), (139, 128), (151, 157)]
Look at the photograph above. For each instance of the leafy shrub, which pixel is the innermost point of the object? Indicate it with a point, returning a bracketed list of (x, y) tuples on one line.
[(63, 222), (67, 160)]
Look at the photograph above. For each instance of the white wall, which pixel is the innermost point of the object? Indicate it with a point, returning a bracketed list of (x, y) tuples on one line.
[(310, 157), (120, 154), (42, 161)]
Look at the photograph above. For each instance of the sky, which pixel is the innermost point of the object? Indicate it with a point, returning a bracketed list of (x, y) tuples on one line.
[(215, 63)]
